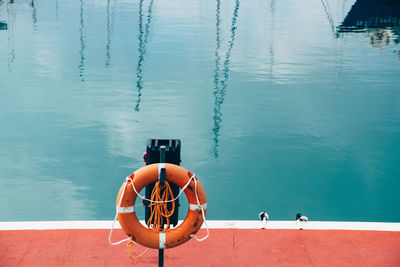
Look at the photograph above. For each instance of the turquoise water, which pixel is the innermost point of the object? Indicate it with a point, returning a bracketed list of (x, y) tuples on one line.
[(277, 109)]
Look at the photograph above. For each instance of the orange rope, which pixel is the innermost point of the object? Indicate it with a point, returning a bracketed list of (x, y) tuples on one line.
[(129, 245), (159, 211)]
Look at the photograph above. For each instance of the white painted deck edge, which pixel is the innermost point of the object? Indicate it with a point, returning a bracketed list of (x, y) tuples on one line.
[(212, 224)]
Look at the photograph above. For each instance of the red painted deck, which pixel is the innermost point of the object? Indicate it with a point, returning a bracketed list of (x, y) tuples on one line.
[(224, 247)]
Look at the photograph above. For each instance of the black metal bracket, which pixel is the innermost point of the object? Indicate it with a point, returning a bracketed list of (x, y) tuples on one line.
[(161, 257), (162, 160), (162, 177)]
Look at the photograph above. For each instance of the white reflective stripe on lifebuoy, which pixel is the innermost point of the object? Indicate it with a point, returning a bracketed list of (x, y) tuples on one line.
[(129, 209), (197, 207), (160, 166), (162, 240)]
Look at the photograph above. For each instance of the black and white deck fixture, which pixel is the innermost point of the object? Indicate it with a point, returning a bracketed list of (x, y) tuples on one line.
[(264, 217), (301, 219)]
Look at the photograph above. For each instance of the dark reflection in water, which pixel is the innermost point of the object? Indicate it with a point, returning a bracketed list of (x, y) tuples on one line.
[(10, 37), (328, 13), (381, 19), (143, 37), (273, 4), (339, 62), (82, 42), (366, 14), (110, 29), (3, 26), (57, 10), (217, 113), (339, 57), (271, 46), (34, 14), (220, 84)]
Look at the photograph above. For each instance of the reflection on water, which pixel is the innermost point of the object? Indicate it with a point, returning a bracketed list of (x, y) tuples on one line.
[(110, 26), (379, 38), (380, 19), (335, 34), (221, 77), (255, 89), (56, 9), (10, 38), (3, 26), (217, 120), (339, 60), (82, 42), (143, 37), (273, 4), (328, 12), (365, 14), (34, 15), (271, 45), (65, 198)]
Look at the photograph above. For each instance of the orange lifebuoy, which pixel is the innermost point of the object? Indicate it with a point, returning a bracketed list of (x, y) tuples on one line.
[(172, 237)]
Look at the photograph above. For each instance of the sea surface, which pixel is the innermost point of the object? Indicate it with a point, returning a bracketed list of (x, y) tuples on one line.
[(280, 105)]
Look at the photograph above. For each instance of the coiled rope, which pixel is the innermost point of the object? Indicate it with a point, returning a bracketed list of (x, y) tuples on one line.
[(159, 208)]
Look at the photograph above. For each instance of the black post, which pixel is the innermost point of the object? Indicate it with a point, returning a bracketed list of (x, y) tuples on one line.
[(161, 257), (162, 181), (163, 151)]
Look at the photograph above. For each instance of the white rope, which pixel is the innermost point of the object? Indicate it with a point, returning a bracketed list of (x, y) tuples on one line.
[(115, 218), (128, 178), (161, 201), (202, 213)]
